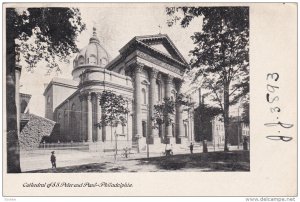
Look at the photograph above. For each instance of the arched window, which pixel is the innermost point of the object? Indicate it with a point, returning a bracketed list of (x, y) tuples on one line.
[(81, 60), (73, 121), (144, 96), (144, 129), (158, 91), (92, 60), (160, 131), (103, 62), (23, 106), (185, 130), (48, 100), (58, 117), (173, 130)]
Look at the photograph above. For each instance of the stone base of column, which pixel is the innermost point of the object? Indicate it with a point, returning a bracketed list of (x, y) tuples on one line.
[(154, 140), (182, 140), (170, 140), (142, 144), (95, 146)]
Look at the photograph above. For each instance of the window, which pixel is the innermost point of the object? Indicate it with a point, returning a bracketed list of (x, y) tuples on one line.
[(185, 130), (173, 130), (123, 129), (48, 100), (81, 60), (159, 92), (144, 125), (92, 60), (160, 131), (23, 106), (144, 96), (103, 62)]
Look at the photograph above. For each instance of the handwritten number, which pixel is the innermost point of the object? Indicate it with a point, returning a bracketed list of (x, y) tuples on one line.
[(272, 88), (276, 98), (283, 138), (275, 109), (284, 125), (272, 75)]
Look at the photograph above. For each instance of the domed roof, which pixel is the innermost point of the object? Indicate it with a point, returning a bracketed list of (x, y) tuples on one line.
[(92, 54)]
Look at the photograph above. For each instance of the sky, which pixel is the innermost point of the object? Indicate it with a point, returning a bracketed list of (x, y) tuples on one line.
[(115, 27)]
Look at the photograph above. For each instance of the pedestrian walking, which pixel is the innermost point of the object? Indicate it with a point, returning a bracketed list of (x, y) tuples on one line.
[(126, 152), (191, 147), (53, 159)]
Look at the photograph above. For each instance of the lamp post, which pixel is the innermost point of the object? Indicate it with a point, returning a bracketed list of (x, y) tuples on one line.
[(238, 137), (239, 123)]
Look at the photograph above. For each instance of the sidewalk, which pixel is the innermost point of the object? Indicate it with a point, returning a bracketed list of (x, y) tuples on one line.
[(40, 159)]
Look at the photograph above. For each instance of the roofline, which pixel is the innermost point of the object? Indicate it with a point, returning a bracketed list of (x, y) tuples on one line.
[(59, 84), (67, 99), (169, 39)]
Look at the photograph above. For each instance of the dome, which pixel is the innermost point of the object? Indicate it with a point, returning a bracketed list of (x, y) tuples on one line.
[(92, 54)]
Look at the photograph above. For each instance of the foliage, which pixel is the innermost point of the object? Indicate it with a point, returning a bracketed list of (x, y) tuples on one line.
[(221, 53), (45, 34), (162, 112), (245, 114), (115, 109), (181, 99), (203, 117)]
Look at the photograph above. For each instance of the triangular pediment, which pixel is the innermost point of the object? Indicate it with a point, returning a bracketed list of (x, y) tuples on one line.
[(160, 47), (162, 44)]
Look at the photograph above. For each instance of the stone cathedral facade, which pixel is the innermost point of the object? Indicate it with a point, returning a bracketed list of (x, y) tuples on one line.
[(147, 69)]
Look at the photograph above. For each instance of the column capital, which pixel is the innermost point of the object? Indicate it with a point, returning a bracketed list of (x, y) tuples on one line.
[(82, 97), (169, 79), (154, 73), (139, 67), (98, 95), (89, 96), (179, 83)]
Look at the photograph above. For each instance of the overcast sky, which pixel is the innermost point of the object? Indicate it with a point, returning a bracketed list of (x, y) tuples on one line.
[(115, 27)]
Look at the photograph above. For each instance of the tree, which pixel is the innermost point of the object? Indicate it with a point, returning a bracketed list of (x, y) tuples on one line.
[(221, 53), (35, 34), (203, 117), (163, 112), (115, 109)]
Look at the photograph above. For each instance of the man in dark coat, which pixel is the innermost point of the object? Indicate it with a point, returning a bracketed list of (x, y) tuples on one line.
[(191, 147), (53, 160)]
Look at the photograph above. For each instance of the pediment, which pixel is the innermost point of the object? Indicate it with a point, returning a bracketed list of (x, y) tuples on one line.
[(162, 44)]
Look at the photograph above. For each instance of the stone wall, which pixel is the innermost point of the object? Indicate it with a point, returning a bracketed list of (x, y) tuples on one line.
[(35, 131)]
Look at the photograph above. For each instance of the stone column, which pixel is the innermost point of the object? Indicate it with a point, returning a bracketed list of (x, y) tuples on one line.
[(99, 115), (137, 107), (138, 100), (89, 118), (153, 132), (179, 120), (83, 116), (169, 83)]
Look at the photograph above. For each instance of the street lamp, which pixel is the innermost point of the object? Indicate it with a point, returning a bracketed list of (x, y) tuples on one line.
[(239, 123)]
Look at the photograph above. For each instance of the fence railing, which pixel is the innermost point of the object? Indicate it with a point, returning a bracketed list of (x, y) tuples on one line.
[(64, 145)]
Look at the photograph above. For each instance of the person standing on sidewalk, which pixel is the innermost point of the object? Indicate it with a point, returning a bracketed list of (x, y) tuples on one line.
[(191, 147), (53, 159)]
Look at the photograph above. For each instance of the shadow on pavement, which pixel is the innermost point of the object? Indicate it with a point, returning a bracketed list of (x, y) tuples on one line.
[(204, 162)]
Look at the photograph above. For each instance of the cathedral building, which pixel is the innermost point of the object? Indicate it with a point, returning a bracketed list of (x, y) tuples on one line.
[(147, 69)]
